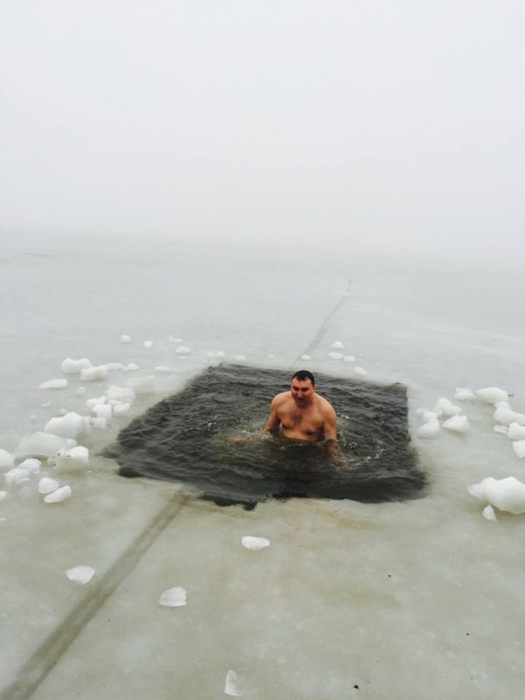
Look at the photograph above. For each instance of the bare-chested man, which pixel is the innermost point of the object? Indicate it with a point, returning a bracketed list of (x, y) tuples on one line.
[(301, 414)]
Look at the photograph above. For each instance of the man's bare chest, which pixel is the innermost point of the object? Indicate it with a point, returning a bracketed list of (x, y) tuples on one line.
[(308, 419)]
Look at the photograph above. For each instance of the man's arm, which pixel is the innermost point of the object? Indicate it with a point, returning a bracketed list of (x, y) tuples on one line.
[(330, 432), (273, 421)]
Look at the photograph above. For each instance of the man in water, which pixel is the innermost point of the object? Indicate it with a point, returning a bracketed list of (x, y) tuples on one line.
[(301, 414)]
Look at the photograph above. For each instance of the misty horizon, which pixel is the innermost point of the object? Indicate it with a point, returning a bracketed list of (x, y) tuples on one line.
[(361, 128)]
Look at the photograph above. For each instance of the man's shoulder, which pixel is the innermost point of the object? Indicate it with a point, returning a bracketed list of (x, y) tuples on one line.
[(325, 406), (281, 398)]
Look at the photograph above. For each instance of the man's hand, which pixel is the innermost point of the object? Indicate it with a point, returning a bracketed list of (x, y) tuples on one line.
[(333, 448), (245, 439), (235, 440)]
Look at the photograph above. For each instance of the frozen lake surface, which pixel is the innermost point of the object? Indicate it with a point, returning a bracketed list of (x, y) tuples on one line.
[(397, 600)]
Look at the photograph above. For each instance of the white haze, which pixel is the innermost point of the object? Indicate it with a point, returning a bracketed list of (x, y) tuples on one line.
[(373, 126)]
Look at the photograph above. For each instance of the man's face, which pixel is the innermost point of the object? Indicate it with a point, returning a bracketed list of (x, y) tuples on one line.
[(302, 392)]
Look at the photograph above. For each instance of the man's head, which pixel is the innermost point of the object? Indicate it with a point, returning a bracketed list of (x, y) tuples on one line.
[(303, 387)]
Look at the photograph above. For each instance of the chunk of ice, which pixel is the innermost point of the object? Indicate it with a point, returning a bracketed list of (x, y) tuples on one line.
[(360, 371), (16, 475), (173, 597), (72, 458), (47, 485), (255, 542), (125, 339), (505, 416), (336, 355), (148, 344), (70, 366), (69, 426), (427, 415), (163, 369), (103, 410), (96, 401), (305, 357), (506, 494), (464, 394), (489, 514), (338, 345), (457, 424), (80, 574), (116, 366), (501, 429), (31, 465), (61, 494), (492, 394), (348, 358), (429, 429), (98, 423), (3, 494), (183, 350), (91, 374), (519, 448), (6, 459), (53, 384), (42, 444), (444, 407), (516, 431), (121, 409), (232, 686)]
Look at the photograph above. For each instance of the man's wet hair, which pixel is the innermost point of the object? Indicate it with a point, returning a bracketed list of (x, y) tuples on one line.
[(303, 374)]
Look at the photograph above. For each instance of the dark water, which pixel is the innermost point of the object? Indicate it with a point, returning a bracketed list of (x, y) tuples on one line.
[(184, 438)]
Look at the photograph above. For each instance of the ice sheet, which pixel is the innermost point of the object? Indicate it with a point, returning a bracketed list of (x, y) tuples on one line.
[(347, 594)]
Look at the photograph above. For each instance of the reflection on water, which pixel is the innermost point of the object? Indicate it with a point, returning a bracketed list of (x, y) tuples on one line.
[(184, 438)]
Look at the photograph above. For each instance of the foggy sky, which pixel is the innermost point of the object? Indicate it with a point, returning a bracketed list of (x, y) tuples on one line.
[(363, 125)]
